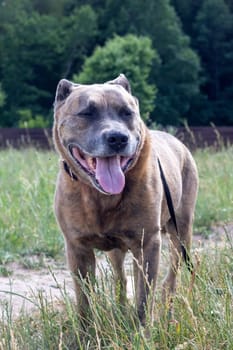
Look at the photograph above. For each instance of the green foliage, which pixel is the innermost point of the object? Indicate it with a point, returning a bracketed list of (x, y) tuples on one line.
[(27, 120), (2, 96), (44, 41), (178, 78), (187, 11), (213, 38), (130, 55), (27, 223), (209, 24), (40, 49), (82, 30), (52, 7)]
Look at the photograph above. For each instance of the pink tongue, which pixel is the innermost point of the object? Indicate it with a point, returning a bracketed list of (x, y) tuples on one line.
[(110, 175)]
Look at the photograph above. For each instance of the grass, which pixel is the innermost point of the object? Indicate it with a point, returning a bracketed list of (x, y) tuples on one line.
[(215, 199), (203, 309), (27, 224), (203, 317), (27, 182)]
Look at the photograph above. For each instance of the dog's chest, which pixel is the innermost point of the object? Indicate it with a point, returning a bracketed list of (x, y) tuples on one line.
[(107, 226), (99, 220)]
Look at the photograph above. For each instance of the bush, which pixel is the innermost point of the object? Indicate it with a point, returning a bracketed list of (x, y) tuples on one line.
[(28, 120), (130, 55)]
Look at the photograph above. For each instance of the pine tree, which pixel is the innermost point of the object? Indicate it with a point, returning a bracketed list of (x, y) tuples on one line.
[(178, 78), (214, 42)]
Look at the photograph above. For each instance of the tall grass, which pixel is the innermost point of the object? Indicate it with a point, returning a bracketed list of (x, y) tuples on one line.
[(215, 198), (203, 317), (27, 183)]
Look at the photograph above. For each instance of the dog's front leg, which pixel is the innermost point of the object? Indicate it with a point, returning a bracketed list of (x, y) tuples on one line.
[(81, 260), (117, 257), (146, 266)]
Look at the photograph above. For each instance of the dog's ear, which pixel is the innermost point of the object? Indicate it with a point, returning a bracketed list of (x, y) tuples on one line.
[(121, 80), (64, 88)]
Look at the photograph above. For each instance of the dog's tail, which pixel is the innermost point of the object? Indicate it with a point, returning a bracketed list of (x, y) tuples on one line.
[(185, 254)]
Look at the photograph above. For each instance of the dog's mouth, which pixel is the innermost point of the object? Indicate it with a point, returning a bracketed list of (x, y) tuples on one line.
[(106, 173)]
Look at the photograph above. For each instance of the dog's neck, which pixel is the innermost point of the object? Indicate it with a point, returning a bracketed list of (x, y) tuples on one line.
[(68, 170), (140, 168)]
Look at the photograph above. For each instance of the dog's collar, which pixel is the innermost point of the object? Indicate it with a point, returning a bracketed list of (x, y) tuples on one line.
[(69, 171)]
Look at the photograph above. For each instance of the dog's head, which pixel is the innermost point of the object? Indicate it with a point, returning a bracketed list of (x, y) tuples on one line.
[(98, 130)]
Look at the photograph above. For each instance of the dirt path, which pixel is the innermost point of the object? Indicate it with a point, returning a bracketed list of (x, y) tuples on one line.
[(20, 291)]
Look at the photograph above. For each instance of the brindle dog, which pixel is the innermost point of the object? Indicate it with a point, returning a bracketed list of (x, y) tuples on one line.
[(109, 192)]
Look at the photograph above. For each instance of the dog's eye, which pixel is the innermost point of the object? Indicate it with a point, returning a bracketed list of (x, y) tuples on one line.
[(126, 112), (87, 112)]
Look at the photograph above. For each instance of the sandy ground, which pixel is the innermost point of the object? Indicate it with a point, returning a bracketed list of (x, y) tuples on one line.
[(20, 291)]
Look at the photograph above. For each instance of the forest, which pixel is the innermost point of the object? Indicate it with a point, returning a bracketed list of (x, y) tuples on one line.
[(177, 54)]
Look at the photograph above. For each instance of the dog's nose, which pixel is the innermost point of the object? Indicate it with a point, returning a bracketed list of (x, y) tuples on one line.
[(117, 140)]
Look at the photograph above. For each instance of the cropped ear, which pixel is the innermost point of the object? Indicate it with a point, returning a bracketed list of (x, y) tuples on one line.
[(64, 88), (121, 80)]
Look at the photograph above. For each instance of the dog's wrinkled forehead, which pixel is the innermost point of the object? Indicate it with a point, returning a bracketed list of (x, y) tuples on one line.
[(100, 97), (114, 94)]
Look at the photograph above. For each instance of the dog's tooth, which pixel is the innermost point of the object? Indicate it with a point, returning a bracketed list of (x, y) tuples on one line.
[(81, 154), (90, 162), (123, 161), (94, 163)]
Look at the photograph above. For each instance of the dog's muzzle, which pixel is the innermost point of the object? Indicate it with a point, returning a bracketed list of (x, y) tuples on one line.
[(106, 173)]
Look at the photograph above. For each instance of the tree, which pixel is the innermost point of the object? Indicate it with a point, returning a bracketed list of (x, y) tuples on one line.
[(35, 52), (130, 55), (187, 11), (42, 41), (50, 7), (2, 96), (214, 42), (82, 30), (177, 78)]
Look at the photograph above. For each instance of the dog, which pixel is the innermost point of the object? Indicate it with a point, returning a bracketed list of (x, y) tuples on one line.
[(109, 194)]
